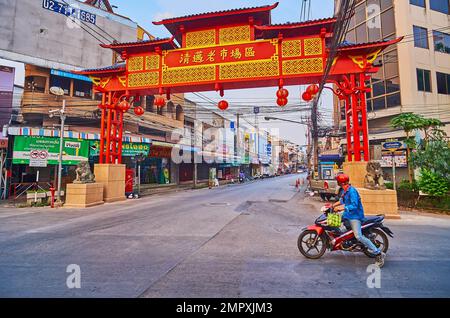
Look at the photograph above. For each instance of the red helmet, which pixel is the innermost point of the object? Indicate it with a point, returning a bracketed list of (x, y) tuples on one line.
[(342, 178)]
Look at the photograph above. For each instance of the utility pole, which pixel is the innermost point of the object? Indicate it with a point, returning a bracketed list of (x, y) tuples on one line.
[(61, 145), (194, 146), (58, 91), (237, 152)]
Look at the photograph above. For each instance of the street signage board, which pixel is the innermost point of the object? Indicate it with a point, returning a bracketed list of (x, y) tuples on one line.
[(392, 145), (74, 150), (72, 11), (256, 110), (38, 158)]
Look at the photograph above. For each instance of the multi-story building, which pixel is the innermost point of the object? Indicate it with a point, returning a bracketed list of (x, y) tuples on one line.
[(415, 74), (50, 39)]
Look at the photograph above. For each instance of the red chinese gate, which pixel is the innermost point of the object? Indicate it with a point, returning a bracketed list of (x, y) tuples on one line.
[(234, 49)]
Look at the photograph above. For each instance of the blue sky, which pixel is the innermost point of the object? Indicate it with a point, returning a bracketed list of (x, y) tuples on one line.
[(146, 11)]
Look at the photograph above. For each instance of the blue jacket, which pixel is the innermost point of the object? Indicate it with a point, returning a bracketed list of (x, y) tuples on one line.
[(353, 206)]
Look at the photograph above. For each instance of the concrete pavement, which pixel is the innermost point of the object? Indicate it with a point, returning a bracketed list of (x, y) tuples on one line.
[(234, 241)]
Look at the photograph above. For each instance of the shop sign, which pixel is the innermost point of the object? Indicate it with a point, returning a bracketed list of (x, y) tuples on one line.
[(160, 152), (74, 150), (67, 10), (129, 149)]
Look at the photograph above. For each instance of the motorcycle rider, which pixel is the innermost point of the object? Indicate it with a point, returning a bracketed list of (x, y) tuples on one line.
[(350, 204)]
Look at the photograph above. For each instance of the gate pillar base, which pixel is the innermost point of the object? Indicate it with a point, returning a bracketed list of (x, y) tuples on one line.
[(83, 195), (379, 202), (356, 170), (112, 176)]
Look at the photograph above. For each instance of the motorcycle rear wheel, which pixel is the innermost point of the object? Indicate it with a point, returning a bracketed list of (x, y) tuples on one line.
[(380, 239), (305, 244)]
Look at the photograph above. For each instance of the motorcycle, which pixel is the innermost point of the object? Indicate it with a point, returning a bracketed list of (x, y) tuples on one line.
[(315, 239)]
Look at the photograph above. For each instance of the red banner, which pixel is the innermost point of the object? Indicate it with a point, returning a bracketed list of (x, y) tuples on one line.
[(258, 50)]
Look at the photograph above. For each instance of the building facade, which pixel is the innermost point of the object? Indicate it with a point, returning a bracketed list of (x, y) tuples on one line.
[(415, 73)]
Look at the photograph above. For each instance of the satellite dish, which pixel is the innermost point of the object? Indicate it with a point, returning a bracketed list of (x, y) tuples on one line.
[(55, 90)]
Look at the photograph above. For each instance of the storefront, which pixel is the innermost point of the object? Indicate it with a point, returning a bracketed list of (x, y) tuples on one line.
[(35, 159), (156, 168)]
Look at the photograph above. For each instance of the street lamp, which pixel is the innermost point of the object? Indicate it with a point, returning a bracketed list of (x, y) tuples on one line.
[(58, 91), (288, 120)]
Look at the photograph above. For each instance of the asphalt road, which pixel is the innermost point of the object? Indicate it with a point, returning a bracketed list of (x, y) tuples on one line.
[(233, 241)]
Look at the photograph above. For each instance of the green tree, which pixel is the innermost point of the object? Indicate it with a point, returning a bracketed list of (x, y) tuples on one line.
[(432, 183), (433, 156), (408, 122)]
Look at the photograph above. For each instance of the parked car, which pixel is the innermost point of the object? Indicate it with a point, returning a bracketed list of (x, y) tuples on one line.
[(327, 189)]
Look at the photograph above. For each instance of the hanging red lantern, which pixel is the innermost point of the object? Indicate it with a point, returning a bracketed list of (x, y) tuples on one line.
[(223, 105), (313, 89), (282, 93), (139, 111), (160, 102), (124, 106), (282, 102), (306, 96)]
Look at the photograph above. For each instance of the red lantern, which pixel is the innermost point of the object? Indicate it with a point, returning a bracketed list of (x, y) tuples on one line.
[(282, 93), (160, 102), (223, 104), (306, 96), (313, 89), (101, 106), (139, 111), (282, 102), (124, 106)]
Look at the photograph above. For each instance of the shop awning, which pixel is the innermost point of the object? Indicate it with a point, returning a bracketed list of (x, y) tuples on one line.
[(43, 132)]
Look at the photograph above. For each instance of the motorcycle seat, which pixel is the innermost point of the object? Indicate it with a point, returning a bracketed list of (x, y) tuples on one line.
[(373, 219)]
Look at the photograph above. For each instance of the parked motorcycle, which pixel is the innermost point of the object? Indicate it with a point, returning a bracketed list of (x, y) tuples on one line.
[(315, 239)]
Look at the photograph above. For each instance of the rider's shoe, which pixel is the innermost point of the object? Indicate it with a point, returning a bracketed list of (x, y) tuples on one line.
[(380, 259)]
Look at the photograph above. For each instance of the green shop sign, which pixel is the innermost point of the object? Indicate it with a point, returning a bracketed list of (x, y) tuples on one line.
[(74, 150), (129, 149)]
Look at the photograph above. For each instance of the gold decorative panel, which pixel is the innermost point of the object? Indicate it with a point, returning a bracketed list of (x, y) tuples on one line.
[(152, 62), (143, 79), (201, 38), (291, 48), (313, 46), (234, 34), (303, 66), (189, 74), (136, 64), (249, 70)]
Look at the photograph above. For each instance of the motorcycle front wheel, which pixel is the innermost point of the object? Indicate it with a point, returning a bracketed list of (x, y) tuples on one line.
[(308, 248), (379, 238)]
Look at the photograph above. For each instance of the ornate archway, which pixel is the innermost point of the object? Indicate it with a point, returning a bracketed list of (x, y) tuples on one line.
[(234, 49)]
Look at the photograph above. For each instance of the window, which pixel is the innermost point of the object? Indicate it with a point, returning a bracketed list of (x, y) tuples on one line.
[(441, 42), (423, 80), (388, 22), (361, 33), (420, 37), (379, 103), (440, 5), (443, 83), (392, 85), (82, 89), (393, 100), (420, 3), (62, 82)]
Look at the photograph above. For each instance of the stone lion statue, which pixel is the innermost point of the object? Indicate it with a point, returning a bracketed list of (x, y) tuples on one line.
[(374, 178), (84, 174)]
